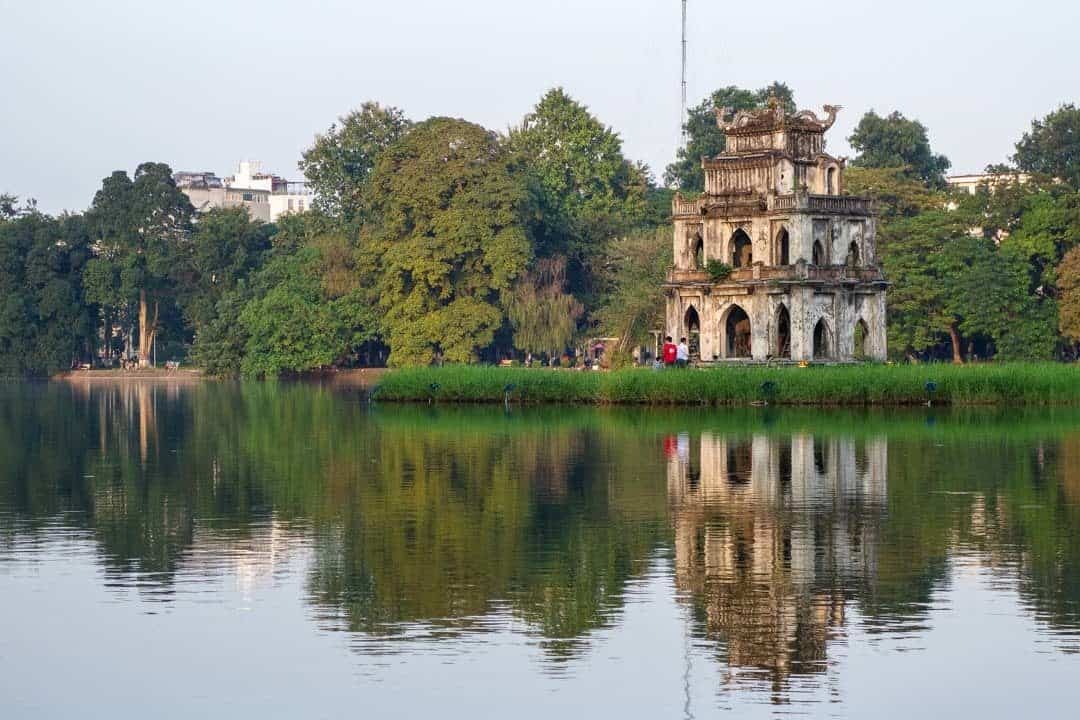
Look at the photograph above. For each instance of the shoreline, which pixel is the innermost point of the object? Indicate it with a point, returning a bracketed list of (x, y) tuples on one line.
[(825, 386), (1013, 384)]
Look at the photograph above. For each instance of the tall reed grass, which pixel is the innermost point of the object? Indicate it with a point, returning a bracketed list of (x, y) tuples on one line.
[(984, 384)]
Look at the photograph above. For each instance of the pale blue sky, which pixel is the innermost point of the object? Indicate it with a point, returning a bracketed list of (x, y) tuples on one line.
[(96, 85)]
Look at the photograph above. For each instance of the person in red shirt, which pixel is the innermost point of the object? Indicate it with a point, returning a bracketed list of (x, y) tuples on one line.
[(670, 352)]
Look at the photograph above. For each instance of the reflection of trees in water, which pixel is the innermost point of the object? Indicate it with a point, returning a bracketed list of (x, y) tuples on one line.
[(433, 515), (771, 540)]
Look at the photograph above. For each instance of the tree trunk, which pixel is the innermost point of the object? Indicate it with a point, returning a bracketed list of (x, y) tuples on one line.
[(957, 351), (147, 330)]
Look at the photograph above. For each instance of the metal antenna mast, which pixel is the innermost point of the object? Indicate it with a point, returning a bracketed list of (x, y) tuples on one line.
[(682, 116)]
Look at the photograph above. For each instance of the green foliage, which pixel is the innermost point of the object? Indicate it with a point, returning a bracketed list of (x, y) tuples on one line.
[(895, 141), (1052, 146), (227, 247), (586, 191), (718, 270), (896, 192), (340, 162), (637, 265), (1068, 276), (8, 206), (705, 139), (141, 228), (293, 326), (1007, 383), (447, 240), (543, 315), (45, 323)]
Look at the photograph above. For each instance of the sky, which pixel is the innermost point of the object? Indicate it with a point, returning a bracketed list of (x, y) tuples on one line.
[(92, 86)]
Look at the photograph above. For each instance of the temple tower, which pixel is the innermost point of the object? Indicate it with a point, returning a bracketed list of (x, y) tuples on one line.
[(804, 282)]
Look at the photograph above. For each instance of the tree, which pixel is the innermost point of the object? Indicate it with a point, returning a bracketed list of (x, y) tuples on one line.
[(1068, 274), (8, 207), (446, 240), (894, 141), (340, 161), (1052, 146), (898, 194), (140, 228), (587, 191), (44, 320), (227, 247), (637, 266), (705, 139), (543, 315), (291, 325)]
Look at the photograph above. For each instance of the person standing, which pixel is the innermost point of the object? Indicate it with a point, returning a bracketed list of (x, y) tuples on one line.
[(670, 353), (682, 353)]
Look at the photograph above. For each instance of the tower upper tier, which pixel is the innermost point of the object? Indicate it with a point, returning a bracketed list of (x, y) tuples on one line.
[(771, 151)]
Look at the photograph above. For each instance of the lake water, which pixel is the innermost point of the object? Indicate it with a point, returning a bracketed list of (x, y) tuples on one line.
[(293, 551)]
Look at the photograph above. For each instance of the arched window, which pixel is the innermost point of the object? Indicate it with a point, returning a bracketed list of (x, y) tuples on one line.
[(783, 333), (737, 330), (742, 249), (821, 340), (862, 332), (783, 247), (853, 253), (693, 331), (699, 252), (819, 253), (830, 181)]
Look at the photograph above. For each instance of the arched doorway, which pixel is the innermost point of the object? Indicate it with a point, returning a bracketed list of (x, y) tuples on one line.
[(742, 250), (693, 331), (783, 333), (819, 253), (862, 332), (853, 253), (698, 246), (821, 340), (783, 247), (738, 333)]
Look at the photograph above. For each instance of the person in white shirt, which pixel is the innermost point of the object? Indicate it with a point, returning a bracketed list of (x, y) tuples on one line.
[(682, 353)]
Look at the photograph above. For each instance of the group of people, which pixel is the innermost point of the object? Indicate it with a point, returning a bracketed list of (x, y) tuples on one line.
[(675, 355)]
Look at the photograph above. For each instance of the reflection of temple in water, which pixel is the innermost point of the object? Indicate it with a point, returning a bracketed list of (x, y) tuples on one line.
[(771, 534)]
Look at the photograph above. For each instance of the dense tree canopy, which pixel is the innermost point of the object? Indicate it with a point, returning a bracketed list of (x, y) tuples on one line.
[(1052, 146), (141, 229), (895, 141), (447, 240), (45, 322), (704, 138), (340, 161)]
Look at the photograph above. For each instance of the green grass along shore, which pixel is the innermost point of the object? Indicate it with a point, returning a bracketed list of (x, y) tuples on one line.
[(850, 385)]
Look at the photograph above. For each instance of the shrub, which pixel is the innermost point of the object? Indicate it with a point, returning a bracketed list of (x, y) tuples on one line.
[(717, 270)]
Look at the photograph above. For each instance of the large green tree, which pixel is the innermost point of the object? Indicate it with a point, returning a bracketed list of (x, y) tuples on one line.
[(587, 191), (543, 315), (1052, 146), (637, 265), (1068, 273), (340, 161), (446, 240), (895, 141), (140, 228), (45, 322), (292, 324), (227, 247), (705, 139)]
